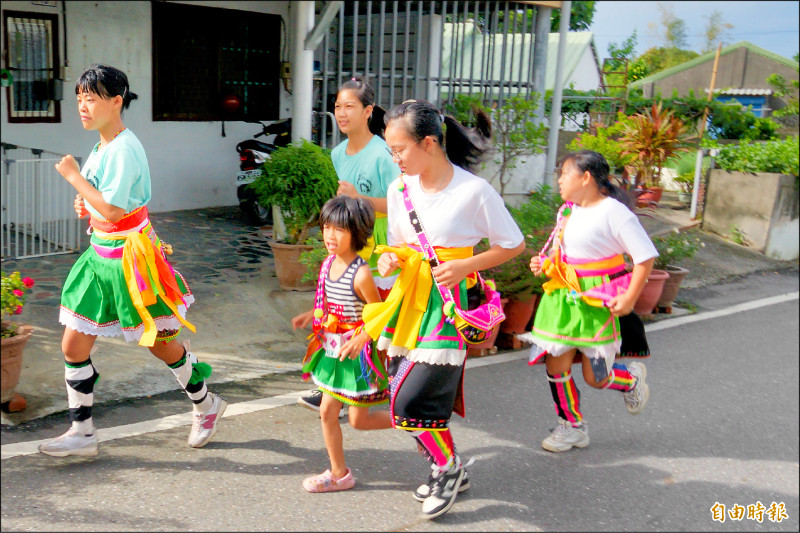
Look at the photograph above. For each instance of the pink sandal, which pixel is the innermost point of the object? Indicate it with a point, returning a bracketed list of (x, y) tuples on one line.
[(325, 482)]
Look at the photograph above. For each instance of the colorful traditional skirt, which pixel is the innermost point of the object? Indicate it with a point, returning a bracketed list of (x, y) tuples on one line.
[(437, 340), (124, 285), (362, 381), (565, 321)]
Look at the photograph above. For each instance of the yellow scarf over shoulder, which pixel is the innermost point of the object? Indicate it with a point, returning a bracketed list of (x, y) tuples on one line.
[(410, 293)]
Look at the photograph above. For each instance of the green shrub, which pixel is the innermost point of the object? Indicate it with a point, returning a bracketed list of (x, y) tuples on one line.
[(536, 220), (779, 156), (299, 179), (605, 142), (673, 247)]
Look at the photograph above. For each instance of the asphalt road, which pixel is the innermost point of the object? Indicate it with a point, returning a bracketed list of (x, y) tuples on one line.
[(721, 428)]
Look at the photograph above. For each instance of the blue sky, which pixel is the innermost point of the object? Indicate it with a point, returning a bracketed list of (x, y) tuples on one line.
[(774, 26)]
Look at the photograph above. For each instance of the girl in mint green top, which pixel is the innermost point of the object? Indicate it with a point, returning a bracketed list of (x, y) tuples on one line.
[(363, 163), (122, 284)]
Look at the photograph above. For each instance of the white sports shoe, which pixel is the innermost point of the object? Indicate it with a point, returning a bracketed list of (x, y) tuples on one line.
[(204, 424), (636, 399), (72, 443), (565, 436)]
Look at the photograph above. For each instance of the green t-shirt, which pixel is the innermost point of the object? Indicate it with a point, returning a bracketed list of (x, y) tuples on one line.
[(371, 170), (120, 172)]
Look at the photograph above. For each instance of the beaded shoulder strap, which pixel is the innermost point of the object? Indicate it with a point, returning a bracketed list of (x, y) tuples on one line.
[(319, 297), (558, 231), (427, 248)]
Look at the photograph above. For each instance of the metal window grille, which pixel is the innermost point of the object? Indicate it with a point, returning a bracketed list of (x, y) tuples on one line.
[(32, 59), (202, 54), (429, 50)]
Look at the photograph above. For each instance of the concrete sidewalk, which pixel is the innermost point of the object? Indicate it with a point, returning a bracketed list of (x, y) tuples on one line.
[(243, 318)]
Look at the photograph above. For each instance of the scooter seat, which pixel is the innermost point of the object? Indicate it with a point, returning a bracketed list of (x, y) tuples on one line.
[(252, 144)]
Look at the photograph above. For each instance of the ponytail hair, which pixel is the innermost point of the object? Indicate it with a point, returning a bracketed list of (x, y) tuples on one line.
[(597, 166), (463, 146), (106, 82), (366, 95)]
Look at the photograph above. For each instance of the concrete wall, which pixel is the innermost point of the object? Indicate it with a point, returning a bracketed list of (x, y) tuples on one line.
[(763, 206), (191, 164)]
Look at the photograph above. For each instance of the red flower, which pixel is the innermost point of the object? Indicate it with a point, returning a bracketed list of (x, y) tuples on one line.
[(18, 292), (28, 282), (18, 310)]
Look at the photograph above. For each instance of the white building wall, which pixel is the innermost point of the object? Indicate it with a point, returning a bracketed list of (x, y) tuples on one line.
[(191, 164)]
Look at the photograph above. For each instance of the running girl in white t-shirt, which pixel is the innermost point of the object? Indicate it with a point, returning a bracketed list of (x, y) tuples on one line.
[(595, 228)]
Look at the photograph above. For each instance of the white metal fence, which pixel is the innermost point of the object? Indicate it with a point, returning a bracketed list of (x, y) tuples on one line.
[(37, 214)]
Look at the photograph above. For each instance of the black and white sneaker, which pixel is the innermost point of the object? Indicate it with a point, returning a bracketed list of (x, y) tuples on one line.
[(443, 491), (314, 400), (423, 491)]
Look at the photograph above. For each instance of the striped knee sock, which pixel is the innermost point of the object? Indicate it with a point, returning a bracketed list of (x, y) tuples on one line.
[(566, 397), (191, 375), (80, 379), (438, 446), (620, 379)]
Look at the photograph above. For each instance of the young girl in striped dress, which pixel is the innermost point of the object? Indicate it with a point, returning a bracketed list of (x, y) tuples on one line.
[(340, 358), (123, 283)]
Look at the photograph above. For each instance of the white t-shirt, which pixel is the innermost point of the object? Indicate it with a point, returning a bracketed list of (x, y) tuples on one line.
[(463, 213), (604, 230)]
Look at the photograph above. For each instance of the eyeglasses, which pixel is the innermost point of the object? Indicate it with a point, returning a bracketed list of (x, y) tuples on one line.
[(396, 153)]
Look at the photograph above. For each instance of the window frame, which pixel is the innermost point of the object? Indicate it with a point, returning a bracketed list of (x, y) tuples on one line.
[(164, 109), (54, 115)]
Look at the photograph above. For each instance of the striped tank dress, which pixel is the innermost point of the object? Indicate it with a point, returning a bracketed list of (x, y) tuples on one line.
[(352, 381)]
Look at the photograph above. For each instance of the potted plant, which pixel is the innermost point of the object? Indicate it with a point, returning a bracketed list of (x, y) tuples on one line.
[(686, 184), (14, 336), (514, 278), (653, 138), (672, 248), (298, 179)]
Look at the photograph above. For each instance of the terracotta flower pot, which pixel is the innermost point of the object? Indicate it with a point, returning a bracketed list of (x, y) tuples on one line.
[(651, 292), (518, 314), (671, 285), (649, 196), (11, 359), (288, 268)]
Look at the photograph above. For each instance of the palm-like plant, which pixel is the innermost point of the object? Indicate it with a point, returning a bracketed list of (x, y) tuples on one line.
[(653, 138)]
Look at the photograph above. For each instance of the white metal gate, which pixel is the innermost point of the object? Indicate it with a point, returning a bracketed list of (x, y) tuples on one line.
[(37, 214)]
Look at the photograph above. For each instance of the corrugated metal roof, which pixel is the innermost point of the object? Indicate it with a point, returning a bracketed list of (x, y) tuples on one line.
[(710, 57), (518, 45), (743, 92)]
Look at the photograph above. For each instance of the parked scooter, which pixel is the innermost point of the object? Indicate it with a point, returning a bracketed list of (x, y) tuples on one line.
[(252, 154)]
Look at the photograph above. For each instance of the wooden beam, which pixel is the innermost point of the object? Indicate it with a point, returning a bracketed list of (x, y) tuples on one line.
[(555, 5)]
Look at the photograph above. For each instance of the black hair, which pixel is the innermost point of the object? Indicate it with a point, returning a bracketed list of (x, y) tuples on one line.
[(366, 95), (597, 166), (463, 146), (107, 82), (353, 214)]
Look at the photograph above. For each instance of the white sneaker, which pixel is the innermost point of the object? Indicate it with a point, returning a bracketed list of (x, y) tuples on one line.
[(636, 399), (565, 436), (72, 443), (204, 424)]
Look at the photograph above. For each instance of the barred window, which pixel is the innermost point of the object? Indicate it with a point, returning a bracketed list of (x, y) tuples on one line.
[(202, 54), (31, 42)]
